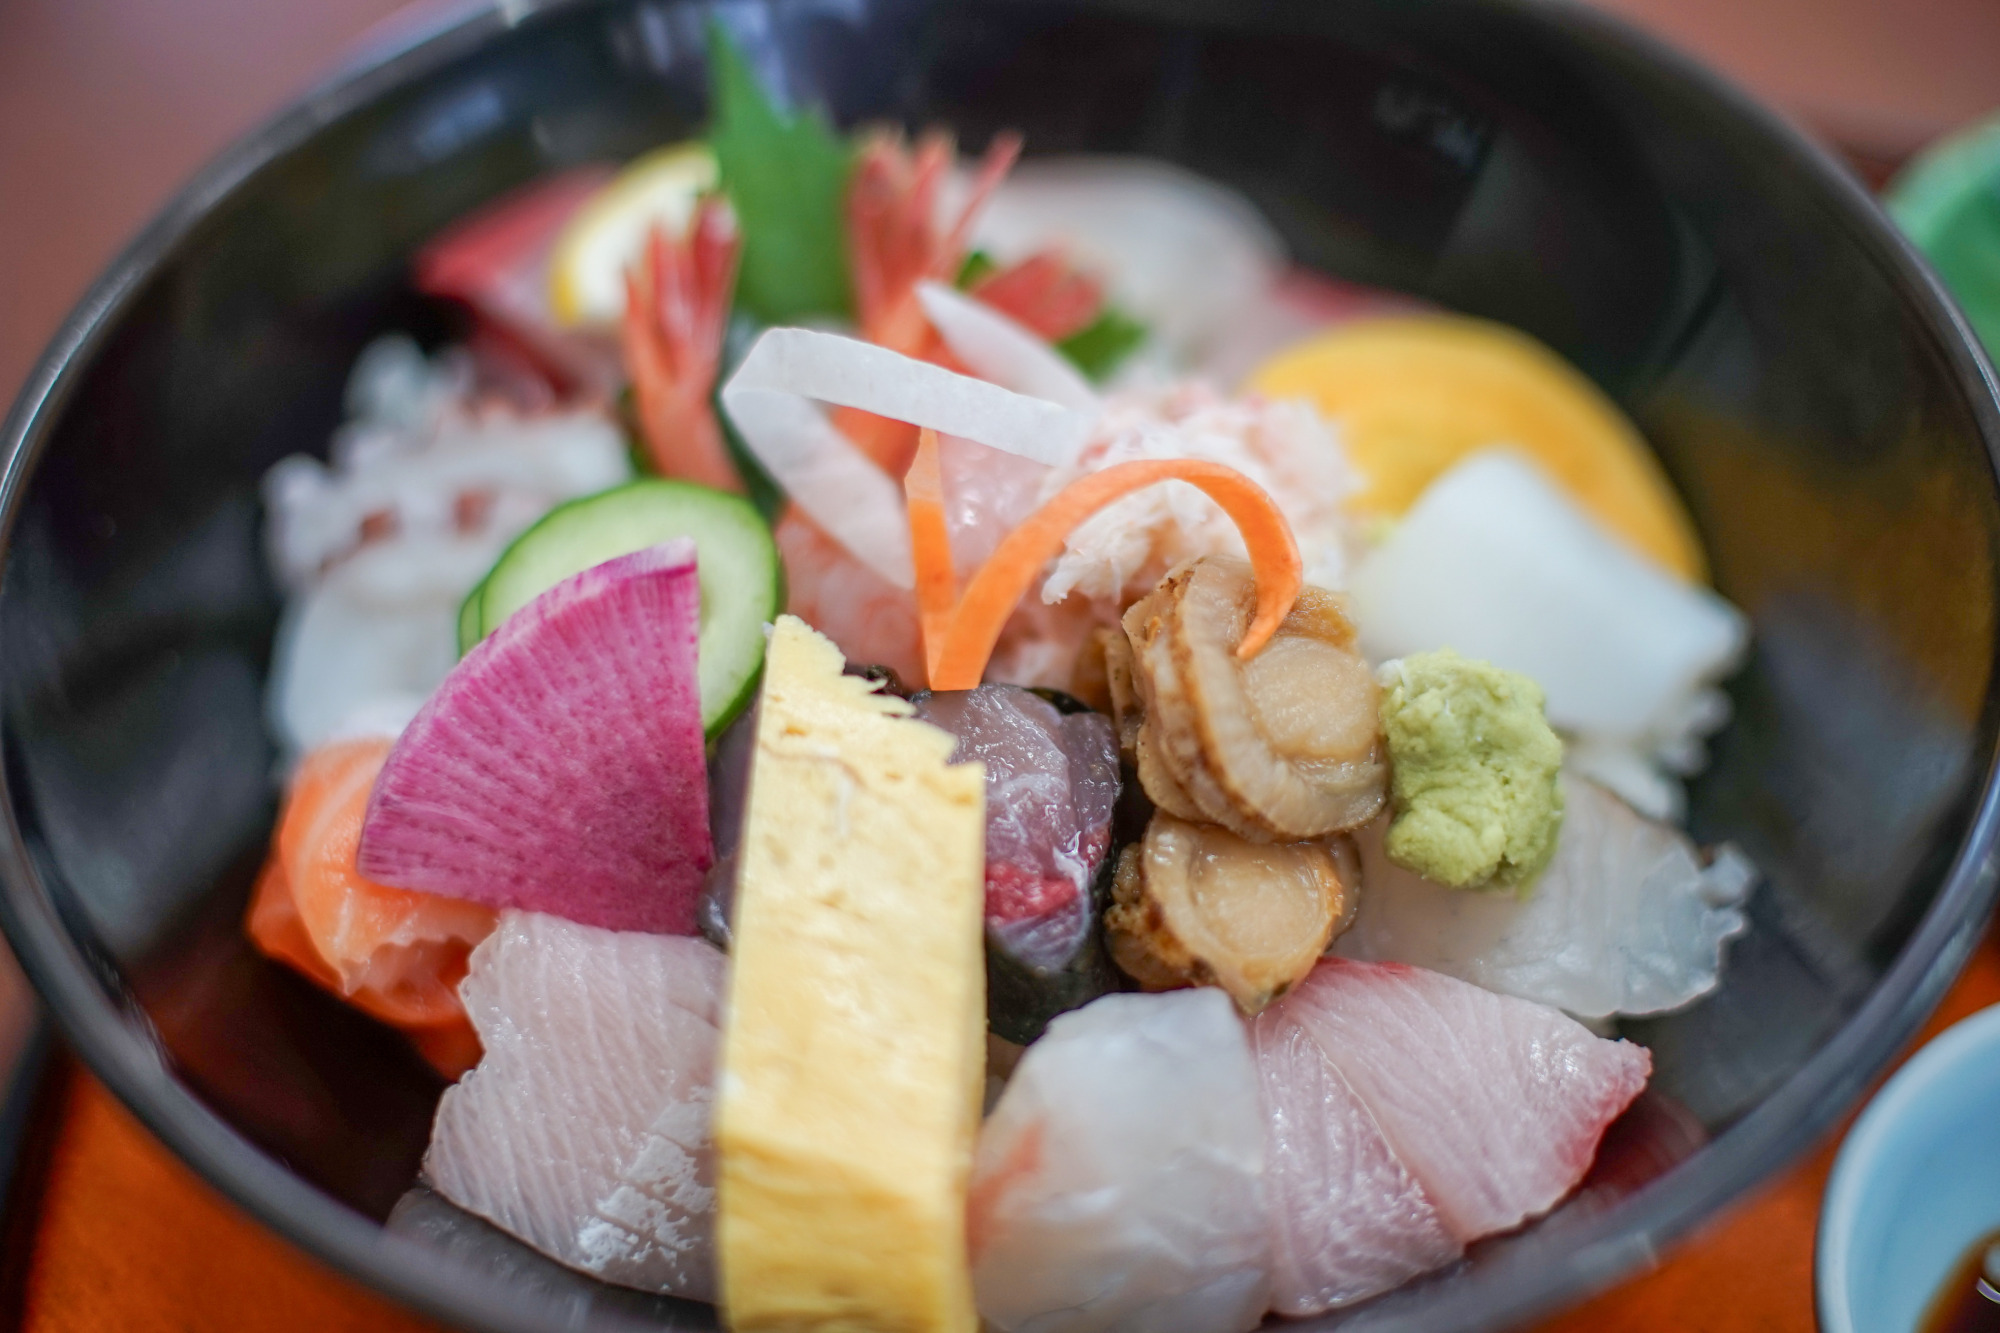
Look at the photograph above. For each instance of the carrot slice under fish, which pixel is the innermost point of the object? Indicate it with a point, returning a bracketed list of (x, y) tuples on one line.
[(392, 953), (958, 639), (930, 540)]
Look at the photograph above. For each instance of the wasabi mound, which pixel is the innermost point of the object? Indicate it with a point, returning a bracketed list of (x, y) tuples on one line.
[(1474, 764)]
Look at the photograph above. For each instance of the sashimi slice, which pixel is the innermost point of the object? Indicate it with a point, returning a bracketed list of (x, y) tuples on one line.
[(1626, 919), (585, 1130), (497, 261), (559, 768), (1119, 1181), (391, 953), (1495, 1105), (1348, 1220)]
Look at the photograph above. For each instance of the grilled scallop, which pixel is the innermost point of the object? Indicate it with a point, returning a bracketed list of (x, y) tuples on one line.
[(1196, 905), (1282, 748)]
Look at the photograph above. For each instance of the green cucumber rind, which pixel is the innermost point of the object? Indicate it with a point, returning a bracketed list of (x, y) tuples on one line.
[(468, 618), (742, 577)]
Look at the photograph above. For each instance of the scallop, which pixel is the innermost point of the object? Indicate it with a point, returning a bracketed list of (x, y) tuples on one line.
[(1284, 747), (1196, 905)]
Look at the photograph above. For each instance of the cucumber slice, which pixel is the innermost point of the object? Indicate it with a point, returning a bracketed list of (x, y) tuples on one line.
[(468, 619), (742, 580)]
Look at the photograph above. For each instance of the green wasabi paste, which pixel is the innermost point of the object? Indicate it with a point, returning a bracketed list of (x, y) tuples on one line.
[(1474, 763)]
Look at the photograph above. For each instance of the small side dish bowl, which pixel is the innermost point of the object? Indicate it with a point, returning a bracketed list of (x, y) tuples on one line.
[(1916, 1184)]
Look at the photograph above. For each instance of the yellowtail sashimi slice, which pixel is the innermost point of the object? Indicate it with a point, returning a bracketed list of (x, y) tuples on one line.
[(1119, 1182), (1494, 1104), (1348, 1220), (585, 1129), (559, 768)]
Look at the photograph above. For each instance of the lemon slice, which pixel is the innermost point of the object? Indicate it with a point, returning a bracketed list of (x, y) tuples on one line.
[(587, 266), (1414, 394)]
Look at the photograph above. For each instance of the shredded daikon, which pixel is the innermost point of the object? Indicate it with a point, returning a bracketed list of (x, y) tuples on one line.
[(774, 400)]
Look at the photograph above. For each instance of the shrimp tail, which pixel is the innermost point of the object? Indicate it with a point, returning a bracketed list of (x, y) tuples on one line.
[(676, 315)]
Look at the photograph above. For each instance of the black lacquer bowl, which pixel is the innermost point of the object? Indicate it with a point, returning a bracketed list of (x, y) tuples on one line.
[(1821, 407)]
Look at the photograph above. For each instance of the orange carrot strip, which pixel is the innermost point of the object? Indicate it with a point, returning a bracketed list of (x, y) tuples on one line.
[(958, 662), (930, 544)]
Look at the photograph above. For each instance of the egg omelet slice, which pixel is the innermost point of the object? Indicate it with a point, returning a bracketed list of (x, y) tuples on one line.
[(853, 1047)]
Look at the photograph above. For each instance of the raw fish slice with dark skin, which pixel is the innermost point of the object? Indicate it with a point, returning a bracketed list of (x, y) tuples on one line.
[(1051, 783), (585, 1129), (559, 768), (1495, 1105), (1348, 1220)]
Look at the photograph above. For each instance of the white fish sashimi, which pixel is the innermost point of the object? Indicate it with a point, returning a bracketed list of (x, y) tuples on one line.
[(1348, 1220), (1495, 1105), (584, 1130), (381, 625), (1626, 919), (1119, 1182), (1496, 562), (379, 546), (413, 482)]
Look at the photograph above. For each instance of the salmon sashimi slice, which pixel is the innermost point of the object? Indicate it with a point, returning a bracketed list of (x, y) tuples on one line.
[(395, 954)]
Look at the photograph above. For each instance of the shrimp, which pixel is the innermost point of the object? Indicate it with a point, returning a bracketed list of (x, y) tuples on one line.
[(896, 242), (392, 953), (676, 313)]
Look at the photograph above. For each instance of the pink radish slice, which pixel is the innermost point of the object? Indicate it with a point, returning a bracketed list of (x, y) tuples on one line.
[(559, 767)]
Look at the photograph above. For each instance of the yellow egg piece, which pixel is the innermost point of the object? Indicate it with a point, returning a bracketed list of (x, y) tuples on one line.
[(588, 263), (854, 1037), (1415, 394)]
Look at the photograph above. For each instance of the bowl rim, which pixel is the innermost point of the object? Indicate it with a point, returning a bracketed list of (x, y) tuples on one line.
[(114, 1044), (1861, 1154)]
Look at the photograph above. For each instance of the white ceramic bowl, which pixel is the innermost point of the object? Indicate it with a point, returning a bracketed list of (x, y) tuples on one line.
[(1916, 1183)]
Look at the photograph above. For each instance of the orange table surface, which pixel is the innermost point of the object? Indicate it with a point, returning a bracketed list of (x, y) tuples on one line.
[(126, 1238)]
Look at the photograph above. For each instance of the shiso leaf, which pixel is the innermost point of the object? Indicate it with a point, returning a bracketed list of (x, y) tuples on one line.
[(1102, 346), (786, 176)]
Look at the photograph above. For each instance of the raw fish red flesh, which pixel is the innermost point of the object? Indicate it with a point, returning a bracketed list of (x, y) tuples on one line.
[(497, 262), (1348, 1220), (1051, 780), (1495, 1105), (1118, 1183), (559, 768), (585, 1130), (1051, 783)]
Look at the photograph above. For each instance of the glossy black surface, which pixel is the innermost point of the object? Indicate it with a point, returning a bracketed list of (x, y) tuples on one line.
[(1804, 384)]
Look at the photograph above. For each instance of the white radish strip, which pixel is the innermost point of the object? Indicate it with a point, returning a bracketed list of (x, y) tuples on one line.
[(771, 401), (1003, 351), (853, 501)]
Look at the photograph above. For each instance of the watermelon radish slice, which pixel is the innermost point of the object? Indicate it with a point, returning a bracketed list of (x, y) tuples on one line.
[(559, 767)]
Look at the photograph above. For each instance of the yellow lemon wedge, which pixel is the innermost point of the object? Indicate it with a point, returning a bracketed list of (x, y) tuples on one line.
[(587, 266), (1414, 394)]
